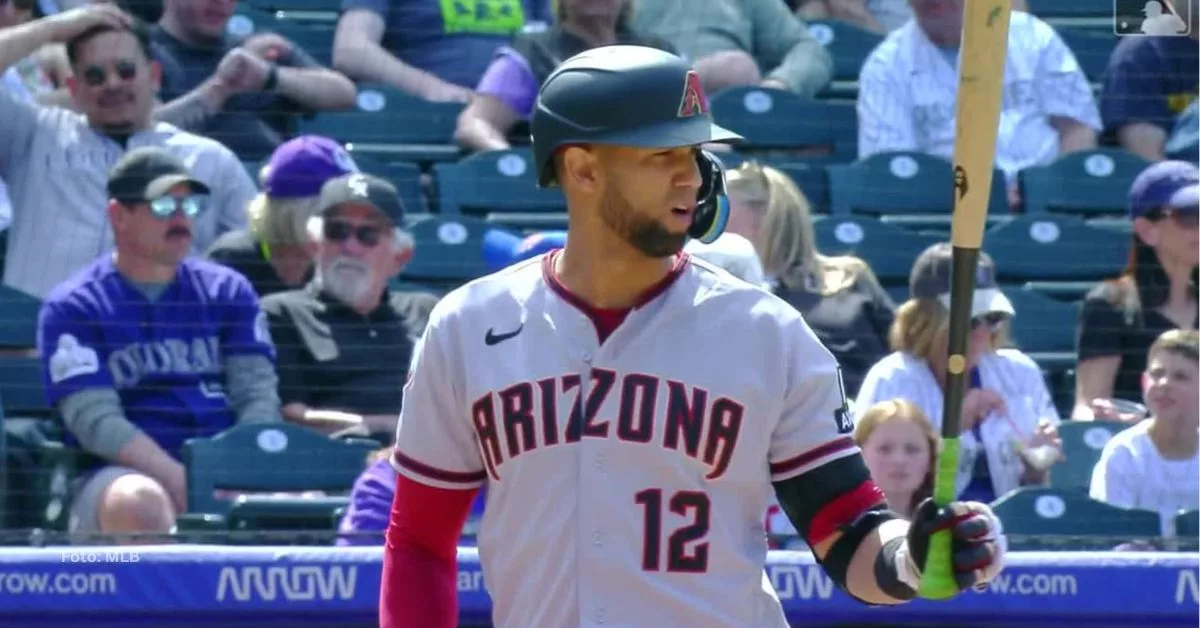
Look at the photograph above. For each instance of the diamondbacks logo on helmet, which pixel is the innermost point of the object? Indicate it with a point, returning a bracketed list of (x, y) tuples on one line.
[(693, 102)]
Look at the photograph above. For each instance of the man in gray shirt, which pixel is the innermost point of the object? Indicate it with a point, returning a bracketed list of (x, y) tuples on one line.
[(148, 347), (56, 161)]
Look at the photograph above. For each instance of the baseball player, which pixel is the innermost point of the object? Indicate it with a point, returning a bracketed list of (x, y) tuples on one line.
[(631, 408)]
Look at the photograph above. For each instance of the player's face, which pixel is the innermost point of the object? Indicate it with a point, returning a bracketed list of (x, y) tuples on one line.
[(1171, 388), (357, 253), (114, 83), (897, 453), (649, 196)]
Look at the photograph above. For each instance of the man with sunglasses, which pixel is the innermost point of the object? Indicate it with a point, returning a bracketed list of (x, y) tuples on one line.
[(148, 347), (56, 162), (345, 340)]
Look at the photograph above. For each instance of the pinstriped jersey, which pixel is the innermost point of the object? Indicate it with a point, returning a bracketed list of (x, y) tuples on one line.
[(627, 479)]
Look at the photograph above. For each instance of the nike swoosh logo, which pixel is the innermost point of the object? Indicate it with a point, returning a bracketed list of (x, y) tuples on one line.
[(492, 338)]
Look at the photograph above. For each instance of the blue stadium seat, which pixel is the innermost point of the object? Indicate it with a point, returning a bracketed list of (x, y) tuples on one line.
[(407, 179), (1187, 529), (1090, 183), (315, 39), (901, 183), (494, 181), (1092, 49), (1043, 324), (1054, 519), (781, 120), (392, 125), (310, 6), (22, 390), (1082, 443), (810, 178), (849, 46), (889, 250), (449, 251), (18, 319), (1071, 8), (1047, 247)]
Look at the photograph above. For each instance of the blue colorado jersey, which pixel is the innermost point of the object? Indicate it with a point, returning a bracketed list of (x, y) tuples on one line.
[(164, 358)]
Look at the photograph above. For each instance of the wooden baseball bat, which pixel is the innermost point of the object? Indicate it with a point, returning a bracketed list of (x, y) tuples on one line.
[(982, 55)]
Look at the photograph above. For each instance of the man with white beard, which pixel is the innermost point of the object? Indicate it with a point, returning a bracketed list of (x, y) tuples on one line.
[(344, 341)]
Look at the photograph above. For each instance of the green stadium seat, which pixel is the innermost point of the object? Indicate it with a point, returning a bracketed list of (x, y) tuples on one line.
[(407, 179), (1037, 518), (810, 178), (18, 318), (22, 390), (849, 46), (296, 520), (1082, 443), (1049, 247), (1088, 183), (1071, 8), (901, 183), (1043, 324), (392, 125), (316, 39), (1092, 49), (772, 119), (494, 181), (1187, 530), (309, 6), (269, 457), (889, 250), (449, 251)]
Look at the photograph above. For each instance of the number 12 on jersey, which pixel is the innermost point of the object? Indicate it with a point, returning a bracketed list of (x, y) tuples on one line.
[(686, 552)]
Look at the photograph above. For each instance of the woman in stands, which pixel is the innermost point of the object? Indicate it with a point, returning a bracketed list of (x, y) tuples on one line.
[(1009, 436), (1155, 465), (508, 89), (840, 297), (1156, 292)]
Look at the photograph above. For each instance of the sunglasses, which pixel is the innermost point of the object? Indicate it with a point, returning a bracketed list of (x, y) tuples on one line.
[(95, 75), (991, 320), (338, 231), (165, 207)]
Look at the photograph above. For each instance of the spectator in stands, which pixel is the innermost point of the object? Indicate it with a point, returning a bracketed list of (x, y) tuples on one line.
[(1156, 292), (366, 517), (840, 297), (505, 94), (502, 248), (1009, 435), (879, 16), (907, 88), (148, 347), (900, 447), (275, 252), (242, 92), (57, 228), (1184, 142), (345, 340), (431, 49), (732, 253), (1155, 464), (1149, 81), (739, 42)]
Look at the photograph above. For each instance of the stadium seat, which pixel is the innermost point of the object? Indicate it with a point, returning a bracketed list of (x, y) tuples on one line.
[(309, 6), (21, 388), (889, 250), (18, 319), (771, 119), (901, 183), (1089, 183), (1082, 443), (294, 520), (810, 178), (1037, 518), (269, 457), (449, 251), (407, 179), (1092, 49), (1187, 530), (314, 39), (1071, 8), (392, 125), (494, 181), (1047, 247), (849, 46), (1043, 325)]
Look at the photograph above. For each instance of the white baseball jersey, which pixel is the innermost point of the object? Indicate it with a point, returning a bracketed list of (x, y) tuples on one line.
[(626, 481), (908, 88), (1011, 374), (1132, 474)]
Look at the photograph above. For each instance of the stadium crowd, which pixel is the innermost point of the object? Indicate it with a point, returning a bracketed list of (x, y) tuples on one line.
[(201, 263)]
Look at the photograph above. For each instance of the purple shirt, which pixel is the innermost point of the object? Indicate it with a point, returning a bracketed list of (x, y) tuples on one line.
[(371, 506), (510, 80)]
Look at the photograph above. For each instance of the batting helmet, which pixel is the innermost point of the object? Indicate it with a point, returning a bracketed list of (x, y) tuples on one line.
[(639, 96)]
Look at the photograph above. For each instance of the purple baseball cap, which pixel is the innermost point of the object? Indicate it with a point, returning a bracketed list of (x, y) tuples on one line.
[(1166, 184), (502, 248), (300, 166)]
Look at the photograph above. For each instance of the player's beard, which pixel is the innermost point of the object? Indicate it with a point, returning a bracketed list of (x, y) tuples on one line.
[(346, 278), (642, 232)]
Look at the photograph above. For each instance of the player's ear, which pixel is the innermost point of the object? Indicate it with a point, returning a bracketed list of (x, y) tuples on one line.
[(580, 167)]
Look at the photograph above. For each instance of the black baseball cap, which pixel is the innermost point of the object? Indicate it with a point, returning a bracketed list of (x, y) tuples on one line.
[(362, 188), (930, 279), (147, 173)]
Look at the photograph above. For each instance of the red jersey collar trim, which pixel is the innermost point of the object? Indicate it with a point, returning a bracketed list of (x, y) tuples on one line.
[(682, 259)]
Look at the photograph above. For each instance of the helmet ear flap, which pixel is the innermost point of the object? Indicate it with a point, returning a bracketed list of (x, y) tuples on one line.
[(712, 208)]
